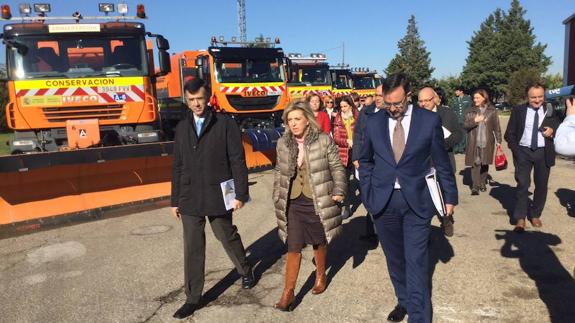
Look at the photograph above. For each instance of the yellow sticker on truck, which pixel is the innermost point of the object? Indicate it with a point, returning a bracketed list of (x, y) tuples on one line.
[(80, 91)]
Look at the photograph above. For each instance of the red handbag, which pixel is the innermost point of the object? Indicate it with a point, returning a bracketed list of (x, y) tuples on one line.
[(500, 158)]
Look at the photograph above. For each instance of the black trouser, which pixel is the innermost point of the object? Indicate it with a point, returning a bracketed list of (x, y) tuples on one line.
[(526, 160), (195, 250), (479, 175)]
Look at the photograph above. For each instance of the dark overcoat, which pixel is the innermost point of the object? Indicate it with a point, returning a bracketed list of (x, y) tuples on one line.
[(202, 163)]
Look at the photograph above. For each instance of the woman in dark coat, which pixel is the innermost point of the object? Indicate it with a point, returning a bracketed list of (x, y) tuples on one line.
[(483, 134), (343, 126), (309, 181)]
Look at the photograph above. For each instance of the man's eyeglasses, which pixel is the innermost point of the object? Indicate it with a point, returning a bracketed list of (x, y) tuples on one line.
[(422, 101), (397, 105)]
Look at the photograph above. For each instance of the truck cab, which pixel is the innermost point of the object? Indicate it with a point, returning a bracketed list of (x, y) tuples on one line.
[(80, 85), (342, 81), (308, 75), (364, 81)]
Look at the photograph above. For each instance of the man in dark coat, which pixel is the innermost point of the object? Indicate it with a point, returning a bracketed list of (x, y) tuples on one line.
[(398, 149), (428, 99), (207, 151), (460, 104), (529, 135), (358, 130)]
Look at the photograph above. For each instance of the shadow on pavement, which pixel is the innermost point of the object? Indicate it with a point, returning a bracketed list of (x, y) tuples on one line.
[(567, 199), (555, 285), (440, 250), (346, 246), (263, 254), (505, 194)]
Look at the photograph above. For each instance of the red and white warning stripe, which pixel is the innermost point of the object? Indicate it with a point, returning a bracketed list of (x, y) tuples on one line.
[(306, 92), (134, 94), (270, 89)]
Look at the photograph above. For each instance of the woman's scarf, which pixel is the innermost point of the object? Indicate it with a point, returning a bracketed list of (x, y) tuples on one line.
[(301, 150), (481, 139)]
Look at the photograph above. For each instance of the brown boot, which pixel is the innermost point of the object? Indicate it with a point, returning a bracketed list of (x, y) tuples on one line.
[(320, 279), (286, 303)]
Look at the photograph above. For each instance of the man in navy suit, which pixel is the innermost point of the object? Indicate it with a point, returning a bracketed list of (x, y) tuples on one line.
[(399, 147)]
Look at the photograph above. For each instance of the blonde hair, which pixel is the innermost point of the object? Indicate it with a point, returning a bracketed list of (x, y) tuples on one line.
[(303, 106)]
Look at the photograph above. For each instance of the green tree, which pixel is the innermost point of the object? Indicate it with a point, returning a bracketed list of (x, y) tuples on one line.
[(553, 81), (518, 82), (413, 58), (448, 84), (484, 65), (504, 44)]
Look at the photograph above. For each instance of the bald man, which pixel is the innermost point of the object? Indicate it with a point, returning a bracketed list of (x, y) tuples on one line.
[(428, 99)]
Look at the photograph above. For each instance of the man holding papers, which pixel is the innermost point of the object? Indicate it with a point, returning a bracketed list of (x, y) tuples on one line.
[(399, 147), (208, 153)]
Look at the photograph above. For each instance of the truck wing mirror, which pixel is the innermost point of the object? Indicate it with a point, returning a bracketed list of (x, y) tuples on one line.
[(162, 43), (164, 62)]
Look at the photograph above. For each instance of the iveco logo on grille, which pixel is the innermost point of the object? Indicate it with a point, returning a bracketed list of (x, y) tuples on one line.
[(254, 93), (80, 99)]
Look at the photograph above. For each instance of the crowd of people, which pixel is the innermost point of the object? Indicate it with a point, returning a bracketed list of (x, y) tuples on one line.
[(387, 142)]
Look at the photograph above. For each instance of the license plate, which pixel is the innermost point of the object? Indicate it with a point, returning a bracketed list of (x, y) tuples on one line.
[(115, 88)]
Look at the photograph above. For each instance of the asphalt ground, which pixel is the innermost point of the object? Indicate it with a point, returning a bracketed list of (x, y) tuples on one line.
[(130, 269)]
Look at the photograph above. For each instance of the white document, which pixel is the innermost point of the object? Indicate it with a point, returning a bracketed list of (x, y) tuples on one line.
[(435, 192), (228, 193), (446, 133)]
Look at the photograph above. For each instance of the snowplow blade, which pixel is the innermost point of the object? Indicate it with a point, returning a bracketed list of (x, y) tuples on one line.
[(260, 147), (37, 188)]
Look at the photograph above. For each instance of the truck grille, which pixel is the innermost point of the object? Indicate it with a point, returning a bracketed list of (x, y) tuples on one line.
[(241, 103), (61, 114)]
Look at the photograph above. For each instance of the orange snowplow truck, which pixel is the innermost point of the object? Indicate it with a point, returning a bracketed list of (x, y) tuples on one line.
[(364, 81), (80, 85), (308, 75), (248, 82), (75, 85)]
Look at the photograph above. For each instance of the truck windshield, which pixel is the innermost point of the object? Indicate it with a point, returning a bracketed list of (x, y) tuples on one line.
[(341, 79), (363, 82), (231, 70), (76, 56), (314, 75)]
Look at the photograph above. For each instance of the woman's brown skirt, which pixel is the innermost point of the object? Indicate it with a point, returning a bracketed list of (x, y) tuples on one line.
[(304, 226)]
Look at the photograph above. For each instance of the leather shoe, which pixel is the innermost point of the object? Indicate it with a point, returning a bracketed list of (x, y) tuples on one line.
[(474, 191), (536, 222), (186, 310), (447, 225), (398, 314), (483, 188), (520, 226), (248, 281)]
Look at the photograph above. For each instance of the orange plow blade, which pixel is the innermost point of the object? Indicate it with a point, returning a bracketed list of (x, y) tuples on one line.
[(69, 189), (35, 195)]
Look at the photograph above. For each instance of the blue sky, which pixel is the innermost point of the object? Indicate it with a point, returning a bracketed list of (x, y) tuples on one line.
[(369, 28)]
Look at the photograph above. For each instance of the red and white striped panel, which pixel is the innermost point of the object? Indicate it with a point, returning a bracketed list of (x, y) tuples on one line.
[(135, 93), (306, 92), (270, 89)]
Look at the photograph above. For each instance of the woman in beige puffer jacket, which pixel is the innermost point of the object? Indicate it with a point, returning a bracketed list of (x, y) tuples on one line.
[(309, 181)]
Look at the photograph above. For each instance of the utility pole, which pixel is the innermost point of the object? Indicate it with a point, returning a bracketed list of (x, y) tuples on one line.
[(343, 54), (242, 20)]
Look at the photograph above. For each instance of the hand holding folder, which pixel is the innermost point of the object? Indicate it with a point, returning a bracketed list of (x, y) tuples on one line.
[(435, 192)]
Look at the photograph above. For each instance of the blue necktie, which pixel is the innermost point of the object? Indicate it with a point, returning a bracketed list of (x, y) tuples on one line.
[(199, 126), (535, 131)]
